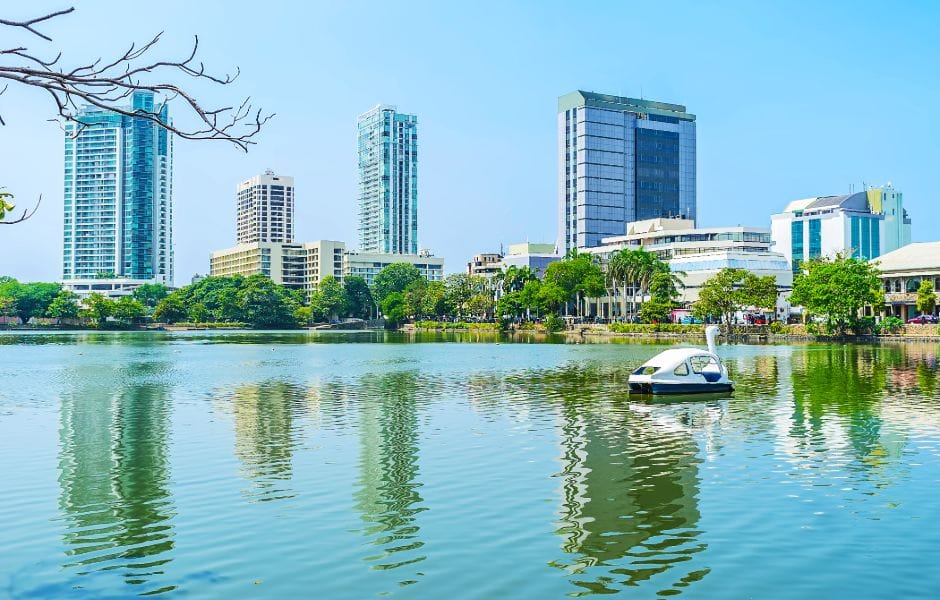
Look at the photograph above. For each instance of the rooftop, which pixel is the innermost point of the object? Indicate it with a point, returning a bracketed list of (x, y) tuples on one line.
[(921, 256), (609, 102)]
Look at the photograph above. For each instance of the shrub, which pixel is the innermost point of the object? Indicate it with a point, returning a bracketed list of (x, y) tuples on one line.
[(553, 323), (890, 325), (778, 327)]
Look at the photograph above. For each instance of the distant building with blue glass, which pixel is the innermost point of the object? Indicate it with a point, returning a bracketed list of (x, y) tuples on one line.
[(862, 225), (388, 181), (621, 160), (118, 200)]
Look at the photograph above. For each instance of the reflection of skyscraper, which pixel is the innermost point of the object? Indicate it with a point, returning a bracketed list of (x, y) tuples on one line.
[(630, 507), (388, 497), (114, 479), (264, 434)]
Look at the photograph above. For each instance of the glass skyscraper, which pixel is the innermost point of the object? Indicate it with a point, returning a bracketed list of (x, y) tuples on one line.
[(388, 181), (118, 221), (621, 160)]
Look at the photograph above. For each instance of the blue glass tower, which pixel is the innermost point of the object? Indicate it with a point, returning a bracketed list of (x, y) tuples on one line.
[(621, 160), (118, 200), (388, 181)]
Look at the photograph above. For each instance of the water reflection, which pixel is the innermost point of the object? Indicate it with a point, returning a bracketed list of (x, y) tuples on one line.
[(114, 479), (266, 436), (388, 499)]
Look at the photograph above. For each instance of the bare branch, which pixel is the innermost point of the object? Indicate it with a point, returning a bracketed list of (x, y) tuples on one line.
[(104, 85), (26, 214), (28, 25)]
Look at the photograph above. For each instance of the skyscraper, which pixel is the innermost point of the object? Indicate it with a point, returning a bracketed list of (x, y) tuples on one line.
[(388, 181), (118, 221), (621, 160), (266, 209)]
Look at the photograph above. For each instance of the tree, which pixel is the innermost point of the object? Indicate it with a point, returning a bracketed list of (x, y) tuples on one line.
[(197, 313), (579, 275), (330, 299), (150, 294), (460, 289), (663, 295), (360, 304), (170, 310), (395, 277), (838, 289), (926, 298), (33, 299), (551, 296), (435, 302), (63, 306), (265, 304), (414, 297), (127, 310), (731, 290), (393, 307), (98, 308)]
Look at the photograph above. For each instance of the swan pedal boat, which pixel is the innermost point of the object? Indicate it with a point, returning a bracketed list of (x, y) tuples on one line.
[(683, 371)]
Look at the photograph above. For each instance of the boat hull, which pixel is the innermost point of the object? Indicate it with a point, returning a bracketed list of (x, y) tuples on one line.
[(679, 388)]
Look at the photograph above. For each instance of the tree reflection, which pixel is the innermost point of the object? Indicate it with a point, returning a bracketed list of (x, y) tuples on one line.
[(388, 498), (265, 435), (114, 481)]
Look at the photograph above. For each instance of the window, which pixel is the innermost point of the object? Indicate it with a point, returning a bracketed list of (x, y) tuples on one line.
[(699, 363), (682, 369)]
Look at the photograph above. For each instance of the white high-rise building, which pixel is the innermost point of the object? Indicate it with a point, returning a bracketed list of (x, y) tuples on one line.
[(265, 209), (388, 181)]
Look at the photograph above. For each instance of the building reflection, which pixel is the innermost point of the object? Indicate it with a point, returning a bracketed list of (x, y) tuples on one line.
[(630, 485), (388, 497), (114, 483), (265, 417)]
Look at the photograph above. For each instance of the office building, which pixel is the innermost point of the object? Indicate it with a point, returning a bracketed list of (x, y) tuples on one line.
[(118, 200), (265, 209), (534, 255), (388, 181), (368, 264), (862, 225), (621, 160), (903, 270), (297, 266), (699, 254)]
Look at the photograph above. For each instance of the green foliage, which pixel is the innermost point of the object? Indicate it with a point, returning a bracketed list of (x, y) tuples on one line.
[(435, 300), (265, 304), (98, 308), (926, 297), (777, 327), (150, 294), (578, 276), (553, 323), (27, 300), (393, 307), (731, 290), (170, 310), (655, 311), (414, 297), (837, 289), (5, 204), (127, 311), (197, 313), (890, 325), (64, 306), (394, 278), (329, 301), (655, 328), (360, 303), (461, 289), (513, 278), (643, 270)]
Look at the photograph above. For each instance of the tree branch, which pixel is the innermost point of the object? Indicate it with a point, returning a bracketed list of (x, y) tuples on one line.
[(26, 214)]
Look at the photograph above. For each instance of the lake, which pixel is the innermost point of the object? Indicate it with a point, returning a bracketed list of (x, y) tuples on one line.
[(363, 465)]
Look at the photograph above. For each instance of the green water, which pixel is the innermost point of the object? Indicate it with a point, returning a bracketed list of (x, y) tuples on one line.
[(363, 465)]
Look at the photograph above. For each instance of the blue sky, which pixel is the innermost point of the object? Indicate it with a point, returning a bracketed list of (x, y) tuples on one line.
[(793, 100)]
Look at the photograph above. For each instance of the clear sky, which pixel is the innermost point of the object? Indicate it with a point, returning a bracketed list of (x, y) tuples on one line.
[(793, 100)]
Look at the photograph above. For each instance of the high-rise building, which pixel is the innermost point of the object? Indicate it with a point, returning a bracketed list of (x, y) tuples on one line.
[(862, 225), (621, 160), (266, 209), (388, 181), (118, 201)]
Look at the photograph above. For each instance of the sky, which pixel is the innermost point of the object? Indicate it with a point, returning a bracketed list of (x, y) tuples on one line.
[(792, 100)]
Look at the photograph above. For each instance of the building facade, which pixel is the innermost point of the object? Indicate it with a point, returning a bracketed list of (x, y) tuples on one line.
[(698, 254), (486, 264), (530, 254), (265, 209), (118, 199), (862, 225), (297, 266), (903, 270), (368, 264), (621, 160), (388, 181)]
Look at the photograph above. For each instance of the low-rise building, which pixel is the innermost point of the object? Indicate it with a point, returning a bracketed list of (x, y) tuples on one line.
[(902, 272), (486, 264), (111, 288), (863, 225), (368, 264), (297, 266), (698, 254), (536, 256)]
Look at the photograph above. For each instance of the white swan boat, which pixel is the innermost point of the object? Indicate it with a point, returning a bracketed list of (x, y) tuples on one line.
[(683, 371)]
